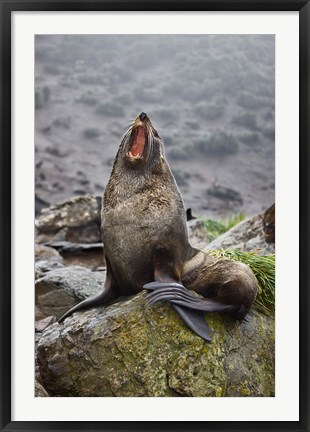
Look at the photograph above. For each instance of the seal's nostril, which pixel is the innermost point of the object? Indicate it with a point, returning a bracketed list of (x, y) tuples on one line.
[(142, 116)]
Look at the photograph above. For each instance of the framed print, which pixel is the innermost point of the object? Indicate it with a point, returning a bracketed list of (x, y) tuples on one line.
[(147, 280)]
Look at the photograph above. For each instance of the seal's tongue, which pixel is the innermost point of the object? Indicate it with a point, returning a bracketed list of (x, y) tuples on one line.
[(138, 143)]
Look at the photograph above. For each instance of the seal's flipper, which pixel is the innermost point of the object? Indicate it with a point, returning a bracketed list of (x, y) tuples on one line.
[(178, 295), (156, 285), (170, 294), (195, 321), (182, 301), (168, 287), (109, 292), (96, 300)]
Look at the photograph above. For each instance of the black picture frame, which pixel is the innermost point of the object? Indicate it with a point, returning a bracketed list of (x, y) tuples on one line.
[(6, 8)]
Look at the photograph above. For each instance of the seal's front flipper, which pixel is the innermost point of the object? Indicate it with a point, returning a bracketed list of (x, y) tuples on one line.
[(108, 293), (195, 321)]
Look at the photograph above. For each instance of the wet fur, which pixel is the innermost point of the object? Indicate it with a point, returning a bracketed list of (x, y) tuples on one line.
[(145, 236)]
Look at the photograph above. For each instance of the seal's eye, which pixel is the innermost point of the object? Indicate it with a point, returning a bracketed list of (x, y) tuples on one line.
[(138, 143)]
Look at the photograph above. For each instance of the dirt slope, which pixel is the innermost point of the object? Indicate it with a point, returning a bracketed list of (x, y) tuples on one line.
[(210, 97)]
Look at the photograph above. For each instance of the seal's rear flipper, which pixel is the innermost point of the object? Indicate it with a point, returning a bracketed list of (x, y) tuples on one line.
[(168, 287), (195, 321), (178, 295), (96, 300), (109, 293), (189, 307)]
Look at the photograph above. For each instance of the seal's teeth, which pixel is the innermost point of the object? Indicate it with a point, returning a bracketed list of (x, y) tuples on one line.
[(134, 157)]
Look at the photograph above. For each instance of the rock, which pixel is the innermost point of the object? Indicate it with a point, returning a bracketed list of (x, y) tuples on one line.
[(248, 235), (69, 247), (38, 272), (127, 349), (60, 289), (269, 224), (45, 266), (46, 253), (197, 233), (38, 314), (37, 337), (74, 212), (89, 255), (40, 390), (42, 324), (76, 220)]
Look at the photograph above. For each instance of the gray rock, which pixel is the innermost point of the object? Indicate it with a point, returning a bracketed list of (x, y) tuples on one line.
[(37, 337), (42, 324), (40, 390), (46, 259), (197, 233), (60, 289), (127, 349), (43, 267), (69, 247), (44, 253), (38, 314), (88, 255), (38, 272), (76, 220), (74, 212), (248, 235)]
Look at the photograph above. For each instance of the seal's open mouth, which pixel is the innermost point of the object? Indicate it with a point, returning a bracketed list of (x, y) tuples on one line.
[(137, 144)]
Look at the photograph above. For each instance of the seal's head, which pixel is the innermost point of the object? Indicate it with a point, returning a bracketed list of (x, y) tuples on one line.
[(137, 145), (139, 165), (141, 146)]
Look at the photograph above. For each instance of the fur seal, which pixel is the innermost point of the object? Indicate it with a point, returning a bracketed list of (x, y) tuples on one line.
[(145, 237)]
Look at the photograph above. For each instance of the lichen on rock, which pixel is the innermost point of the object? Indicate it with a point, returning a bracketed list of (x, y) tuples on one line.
[(127, 349)]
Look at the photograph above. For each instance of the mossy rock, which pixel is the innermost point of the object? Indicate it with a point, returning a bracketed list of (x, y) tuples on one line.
[(127, 349)]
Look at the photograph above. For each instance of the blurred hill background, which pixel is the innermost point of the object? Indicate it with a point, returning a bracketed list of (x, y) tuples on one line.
[(211, 98)]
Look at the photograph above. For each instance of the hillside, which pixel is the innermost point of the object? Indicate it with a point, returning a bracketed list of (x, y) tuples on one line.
[(210, 97)]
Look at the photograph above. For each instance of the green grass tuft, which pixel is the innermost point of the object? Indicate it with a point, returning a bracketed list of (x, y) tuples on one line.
[(264, 269), (234, 220), (216, 228)]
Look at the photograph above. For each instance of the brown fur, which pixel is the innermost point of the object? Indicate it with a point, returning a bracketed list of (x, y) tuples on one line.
[(144, 229), (143, 208)]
